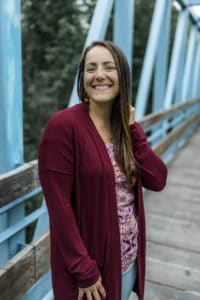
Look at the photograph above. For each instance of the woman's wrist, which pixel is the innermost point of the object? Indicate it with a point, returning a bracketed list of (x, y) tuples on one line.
[(131, 115)]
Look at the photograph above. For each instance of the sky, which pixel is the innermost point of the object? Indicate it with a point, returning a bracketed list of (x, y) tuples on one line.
[(195, 10)]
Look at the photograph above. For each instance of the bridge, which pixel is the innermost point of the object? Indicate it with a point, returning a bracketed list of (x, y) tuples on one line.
[(170, 80)]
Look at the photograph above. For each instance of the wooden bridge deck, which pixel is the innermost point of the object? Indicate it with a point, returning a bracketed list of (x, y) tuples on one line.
[(173, 230)]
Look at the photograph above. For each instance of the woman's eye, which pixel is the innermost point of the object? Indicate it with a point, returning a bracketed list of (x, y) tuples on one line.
[(110, 68), (90, 70)]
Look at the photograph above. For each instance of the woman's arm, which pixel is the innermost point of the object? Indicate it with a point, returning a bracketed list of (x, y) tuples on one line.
[(56, 172), (153, 171)]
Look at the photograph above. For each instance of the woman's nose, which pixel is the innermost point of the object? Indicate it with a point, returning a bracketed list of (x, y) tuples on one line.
[(100, 73)]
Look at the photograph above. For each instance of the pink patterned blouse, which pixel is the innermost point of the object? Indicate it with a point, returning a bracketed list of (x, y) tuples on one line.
[(126, 214)]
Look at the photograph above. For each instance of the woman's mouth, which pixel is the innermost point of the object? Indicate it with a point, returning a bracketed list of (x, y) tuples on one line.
[(102, 87)]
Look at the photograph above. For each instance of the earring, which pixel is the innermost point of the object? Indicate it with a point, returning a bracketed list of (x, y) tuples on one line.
[(86, 100)]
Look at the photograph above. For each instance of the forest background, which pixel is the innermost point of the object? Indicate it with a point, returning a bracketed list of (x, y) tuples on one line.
[(53, 36)]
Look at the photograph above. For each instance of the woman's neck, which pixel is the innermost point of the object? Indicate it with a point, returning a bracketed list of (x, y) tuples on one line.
[(101, 113)]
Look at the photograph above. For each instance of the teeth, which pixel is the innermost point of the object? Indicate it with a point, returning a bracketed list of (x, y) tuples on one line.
[(101, 87)]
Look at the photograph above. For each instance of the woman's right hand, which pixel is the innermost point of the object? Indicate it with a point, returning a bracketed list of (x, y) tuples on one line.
[(93, 292)]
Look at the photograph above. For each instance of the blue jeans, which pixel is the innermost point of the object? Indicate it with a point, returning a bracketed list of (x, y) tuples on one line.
[(128, 281)]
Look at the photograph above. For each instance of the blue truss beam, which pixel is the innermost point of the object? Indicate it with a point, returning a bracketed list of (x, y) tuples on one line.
[(11, 124), (124, 27), (190, 2), (149, 59), (161, 61), (181, 32), (11, 120), (189, 65), (194, 65), (96, 31), (196, 85)]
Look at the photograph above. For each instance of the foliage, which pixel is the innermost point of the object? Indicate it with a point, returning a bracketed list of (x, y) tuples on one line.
[(53, 34)]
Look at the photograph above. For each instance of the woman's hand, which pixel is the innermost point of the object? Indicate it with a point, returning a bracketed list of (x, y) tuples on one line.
[(131, 115), (95, 291)]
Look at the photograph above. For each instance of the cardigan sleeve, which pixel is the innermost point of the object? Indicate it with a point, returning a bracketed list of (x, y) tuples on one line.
[(153, 170), (56, 170)]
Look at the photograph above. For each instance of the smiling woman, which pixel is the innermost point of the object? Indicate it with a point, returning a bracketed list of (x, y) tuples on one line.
[(101, 81), (94, 160)]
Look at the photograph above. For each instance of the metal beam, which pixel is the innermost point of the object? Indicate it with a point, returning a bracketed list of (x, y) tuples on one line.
[(161, 61), (188, 65), (190, 2), (181, 30), (197, 73), (149, 59), (124, 28), (196, 67), (97, 31), (11, 126), (11, 120)]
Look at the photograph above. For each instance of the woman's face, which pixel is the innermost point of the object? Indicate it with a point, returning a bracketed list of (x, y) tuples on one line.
[(101, 80)]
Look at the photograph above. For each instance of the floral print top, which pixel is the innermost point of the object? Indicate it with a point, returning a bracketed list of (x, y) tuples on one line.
[(126, 214)]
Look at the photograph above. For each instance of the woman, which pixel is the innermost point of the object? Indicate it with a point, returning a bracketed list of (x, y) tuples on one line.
[(94, 160)]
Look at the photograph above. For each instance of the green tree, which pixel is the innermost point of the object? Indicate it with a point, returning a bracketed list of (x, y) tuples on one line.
[(53, 34)]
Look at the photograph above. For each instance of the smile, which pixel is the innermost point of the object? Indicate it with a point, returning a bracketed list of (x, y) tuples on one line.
[(102, 87)]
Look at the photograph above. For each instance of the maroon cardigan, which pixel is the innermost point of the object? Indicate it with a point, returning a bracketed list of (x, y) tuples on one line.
[(78, 182)]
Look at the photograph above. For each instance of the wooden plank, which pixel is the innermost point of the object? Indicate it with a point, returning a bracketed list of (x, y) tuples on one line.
[(17, 276), (18, 182), (42, 255), (173, 274), (189, 160), (181, 196), (175, 232), (156, 291), (173, 255), (24, 269), (178, 181), (169, 203), (188, 155)]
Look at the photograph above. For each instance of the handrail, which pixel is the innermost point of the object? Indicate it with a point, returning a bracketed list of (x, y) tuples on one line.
[(24, 269), (154, 118), (11, 186), (161, 147)]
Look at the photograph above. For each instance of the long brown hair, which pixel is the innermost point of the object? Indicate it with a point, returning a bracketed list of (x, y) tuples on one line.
[(120, 110)]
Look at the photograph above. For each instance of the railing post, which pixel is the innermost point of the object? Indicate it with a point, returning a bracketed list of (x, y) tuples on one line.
[(11, 128)]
